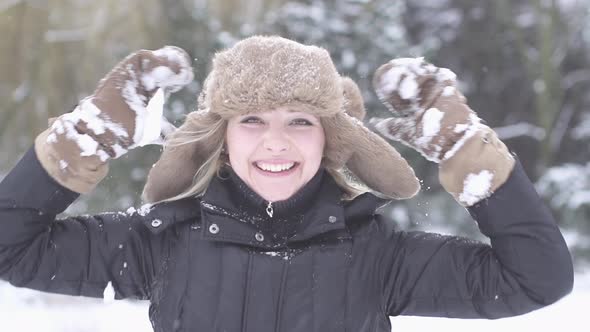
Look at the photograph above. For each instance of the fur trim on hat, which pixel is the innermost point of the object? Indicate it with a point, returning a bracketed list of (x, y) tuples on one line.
[(263, 73)]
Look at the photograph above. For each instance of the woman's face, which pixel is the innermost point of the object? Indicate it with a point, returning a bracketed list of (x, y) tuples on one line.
[(275, 152)]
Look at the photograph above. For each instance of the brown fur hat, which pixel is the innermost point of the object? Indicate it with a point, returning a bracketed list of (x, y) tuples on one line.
[(262, 73)]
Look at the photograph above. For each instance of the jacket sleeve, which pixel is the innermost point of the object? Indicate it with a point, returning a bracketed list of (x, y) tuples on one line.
[(527, 265), (74, 256)]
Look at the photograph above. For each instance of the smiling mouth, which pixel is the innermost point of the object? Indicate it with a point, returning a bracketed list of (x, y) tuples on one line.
[(276, 168)]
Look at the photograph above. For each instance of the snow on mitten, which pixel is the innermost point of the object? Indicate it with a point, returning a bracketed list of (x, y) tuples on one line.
[(431, 116), (119, 115)]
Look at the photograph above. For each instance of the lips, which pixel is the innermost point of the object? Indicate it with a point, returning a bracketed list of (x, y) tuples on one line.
[(275, 169)]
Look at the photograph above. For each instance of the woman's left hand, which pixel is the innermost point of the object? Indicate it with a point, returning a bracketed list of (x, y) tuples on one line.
[(429, 113), (432, 116)]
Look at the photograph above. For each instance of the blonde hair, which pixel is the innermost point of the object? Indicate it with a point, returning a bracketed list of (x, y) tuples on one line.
[(213, 131)]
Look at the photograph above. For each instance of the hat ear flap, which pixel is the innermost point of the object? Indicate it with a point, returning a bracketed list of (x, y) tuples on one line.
[(380, 166), (368, 156), (182, 157)]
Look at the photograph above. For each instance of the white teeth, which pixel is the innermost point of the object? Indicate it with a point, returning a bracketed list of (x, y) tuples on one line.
[(275, 167)]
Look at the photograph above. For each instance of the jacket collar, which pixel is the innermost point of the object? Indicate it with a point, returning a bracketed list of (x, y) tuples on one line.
[(221, 220), (224, 217)]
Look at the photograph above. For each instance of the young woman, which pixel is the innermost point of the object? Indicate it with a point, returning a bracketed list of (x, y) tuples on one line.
[(253, 224)]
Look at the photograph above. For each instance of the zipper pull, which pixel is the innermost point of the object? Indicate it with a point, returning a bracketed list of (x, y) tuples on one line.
[(269, 210)]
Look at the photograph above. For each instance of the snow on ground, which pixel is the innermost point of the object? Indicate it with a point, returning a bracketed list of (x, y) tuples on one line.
[(24, 310)]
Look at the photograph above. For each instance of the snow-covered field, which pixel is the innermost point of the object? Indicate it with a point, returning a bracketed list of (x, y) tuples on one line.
[(29, 311)]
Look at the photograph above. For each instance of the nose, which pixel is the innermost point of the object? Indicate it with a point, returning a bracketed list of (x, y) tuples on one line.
[(276, 141)]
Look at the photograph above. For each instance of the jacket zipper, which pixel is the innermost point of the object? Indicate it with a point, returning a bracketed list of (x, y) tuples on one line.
[(269, 209)]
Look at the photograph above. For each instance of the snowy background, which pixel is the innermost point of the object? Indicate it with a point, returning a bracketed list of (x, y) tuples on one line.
[(524, 65)]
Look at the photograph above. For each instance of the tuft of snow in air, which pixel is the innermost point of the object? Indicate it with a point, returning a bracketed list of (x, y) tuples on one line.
[(109, 293), (476, 187), (401, 216)]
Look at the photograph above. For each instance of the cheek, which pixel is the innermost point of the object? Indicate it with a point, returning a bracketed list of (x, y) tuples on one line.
[(239, 141), (237, 147), (311, 144)]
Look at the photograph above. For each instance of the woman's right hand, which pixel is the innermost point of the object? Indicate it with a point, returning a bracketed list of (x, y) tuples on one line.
[(113, 120)]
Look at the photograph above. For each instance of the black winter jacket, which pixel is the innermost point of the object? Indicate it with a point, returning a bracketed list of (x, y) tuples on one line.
[(348, 270)]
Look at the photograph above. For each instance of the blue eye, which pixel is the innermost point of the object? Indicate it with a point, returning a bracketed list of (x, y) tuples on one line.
[(251, 119), (302, 122)]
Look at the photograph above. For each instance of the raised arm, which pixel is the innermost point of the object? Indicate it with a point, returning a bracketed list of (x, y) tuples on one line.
[(527, 265), (74, 256), (81, 255)]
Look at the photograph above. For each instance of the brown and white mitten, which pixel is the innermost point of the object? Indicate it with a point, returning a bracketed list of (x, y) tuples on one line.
[(431, 116), (114, 119)]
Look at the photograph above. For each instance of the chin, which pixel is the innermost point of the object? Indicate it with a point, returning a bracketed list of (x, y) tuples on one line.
[(279, 196)]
